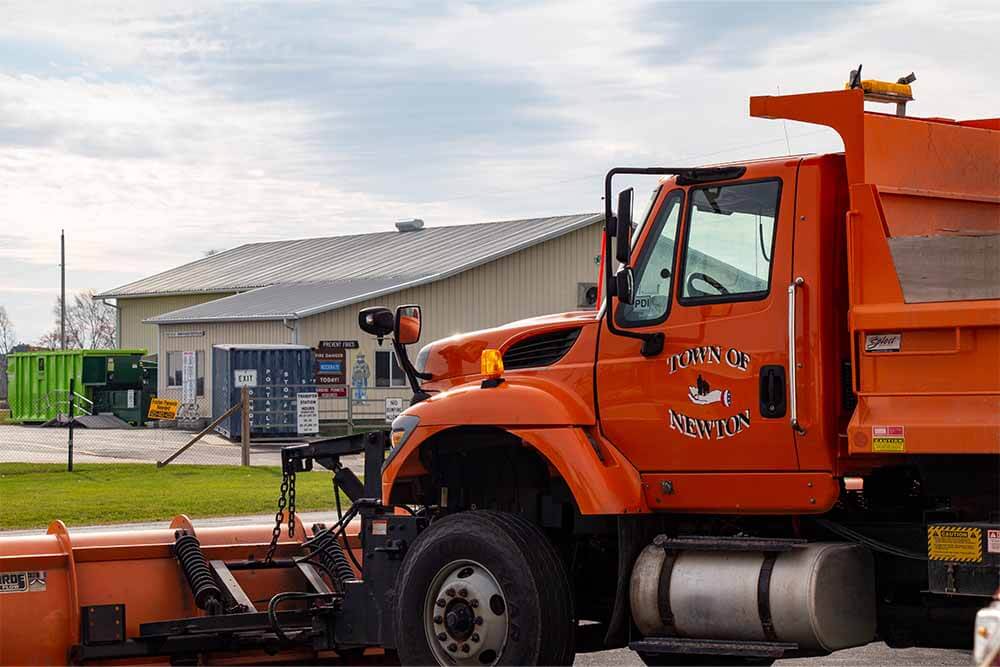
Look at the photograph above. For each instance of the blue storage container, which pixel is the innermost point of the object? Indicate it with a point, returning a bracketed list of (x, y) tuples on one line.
[(274, 374)]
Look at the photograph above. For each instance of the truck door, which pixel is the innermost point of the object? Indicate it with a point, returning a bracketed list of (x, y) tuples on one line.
[(716, 398)]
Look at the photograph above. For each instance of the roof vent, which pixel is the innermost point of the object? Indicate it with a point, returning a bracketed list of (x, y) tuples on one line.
[(410, 225)]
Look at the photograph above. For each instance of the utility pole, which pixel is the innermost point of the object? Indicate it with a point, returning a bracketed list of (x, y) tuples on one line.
[(62, 291)]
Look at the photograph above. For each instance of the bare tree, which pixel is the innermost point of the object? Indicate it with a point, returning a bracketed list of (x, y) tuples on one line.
[(8, 338), (90, 324)]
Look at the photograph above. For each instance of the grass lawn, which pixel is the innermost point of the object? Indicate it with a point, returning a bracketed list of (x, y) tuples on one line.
[(34, 494)]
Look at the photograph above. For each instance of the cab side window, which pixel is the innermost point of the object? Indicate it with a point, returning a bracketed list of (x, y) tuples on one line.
[(654, 268), (730, 242)]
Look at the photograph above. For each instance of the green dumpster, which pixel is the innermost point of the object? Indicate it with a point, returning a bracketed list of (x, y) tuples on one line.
[(38, 382)]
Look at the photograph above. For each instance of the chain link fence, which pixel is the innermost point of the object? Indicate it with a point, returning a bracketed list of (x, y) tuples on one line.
[(277, 415)]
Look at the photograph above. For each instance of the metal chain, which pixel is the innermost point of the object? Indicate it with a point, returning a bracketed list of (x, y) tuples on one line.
[(291, 505), (279, 515)]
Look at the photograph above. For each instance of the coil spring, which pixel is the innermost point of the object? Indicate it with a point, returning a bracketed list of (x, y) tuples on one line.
[(330, 553), (187, 549)]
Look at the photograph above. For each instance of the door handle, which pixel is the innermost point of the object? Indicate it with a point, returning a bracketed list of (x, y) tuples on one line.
[(772, 392), (792, 362)]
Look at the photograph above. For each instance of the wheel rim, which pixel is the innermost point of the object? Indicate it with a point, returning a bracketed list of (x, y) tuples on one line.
[(465, 615)]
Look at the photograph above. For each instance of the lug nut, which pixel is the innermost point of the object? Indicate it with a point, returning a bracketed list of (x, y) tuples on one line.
[(442, 636), (452, 647), (441, 602), (475, 637), (474, 602), (479, 620), (438, 619), (465, 648), (450, 592), (463, 592)]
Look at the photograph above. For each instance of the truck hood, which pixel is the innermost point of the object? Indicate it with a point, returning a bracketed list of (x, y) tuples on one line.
[(458, 356)]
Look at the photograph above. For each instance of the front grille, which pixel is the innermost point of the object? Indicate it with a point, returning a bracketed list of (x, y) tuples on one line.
[(541, 350)]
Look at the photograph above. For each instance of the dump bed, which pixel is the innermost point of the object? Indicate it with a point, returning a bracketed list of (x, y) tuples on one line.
[(923, 235)]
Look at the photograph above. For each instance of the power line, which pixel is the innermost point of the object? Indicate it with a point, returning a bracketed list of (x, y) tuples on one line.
[(575, 179)]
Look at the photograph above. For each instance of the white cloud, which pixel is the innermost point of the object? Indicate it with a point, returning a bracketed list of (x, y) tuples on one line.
[(153, 132)]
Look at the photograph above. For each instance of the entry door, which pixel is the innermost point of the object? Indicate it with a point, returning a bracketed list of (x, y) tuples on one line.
[(719, 295)]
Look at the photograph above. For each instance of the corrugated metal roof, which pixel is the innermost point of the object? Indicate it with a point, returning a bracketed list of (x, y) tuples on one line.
[(407, 262), (402, 256), (278, 302)]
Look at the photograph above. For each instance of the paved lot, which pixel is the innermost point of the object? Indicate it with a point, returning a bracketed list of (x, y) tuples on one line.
[(33, 444), (873, 654)]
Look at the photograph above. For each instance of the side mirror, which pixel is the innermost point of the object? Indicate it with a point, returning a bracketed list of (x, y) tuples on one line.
[(377, 321), (625, 285), (623, 228), (407, 324)]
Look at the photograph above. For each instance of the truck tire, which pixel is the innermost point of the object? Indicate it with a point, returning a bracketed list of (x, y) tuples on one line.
[(483, 588)]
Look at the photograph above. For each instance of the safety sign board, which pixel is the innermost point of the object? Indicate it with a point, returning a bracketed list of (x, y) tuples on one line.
[(958, 543), (888, 439), (245, 378), (393, 406), (331, 366), (307, 411), (23, 582), (163, 408), (993, 541)]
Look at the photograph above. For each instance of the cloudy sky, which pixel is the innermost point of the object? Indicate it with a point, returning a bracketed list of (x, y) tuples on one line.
[(155, 132)]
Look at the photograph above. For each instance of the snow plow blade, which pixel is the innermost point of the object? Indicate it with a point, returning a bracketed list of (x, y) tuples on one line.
[(220, 594)]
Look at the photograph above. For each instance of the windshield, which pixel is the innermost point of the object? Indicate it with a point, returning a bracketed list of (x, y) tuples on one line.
[(639, 222)]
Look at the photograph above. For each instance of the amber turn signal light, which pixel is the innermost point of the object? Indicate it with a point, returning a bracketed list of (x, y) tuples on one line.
[(491, 364)]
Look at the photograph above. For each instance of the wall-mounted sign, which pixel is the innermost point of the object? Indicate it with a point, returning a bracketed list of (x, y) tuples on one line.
[(189, 378), (345, 344), (245, 378), (331, 366), (307, 412), (185, 334)]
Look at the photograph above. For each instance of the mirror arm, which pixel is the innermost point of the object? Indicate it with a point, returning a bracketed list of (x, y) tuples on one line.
[(652, 343), (412, 374)]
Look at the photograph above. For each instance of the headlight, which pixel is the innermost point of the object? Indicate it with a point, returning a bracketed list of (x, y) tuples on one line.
[(402, 427), (421, 363)]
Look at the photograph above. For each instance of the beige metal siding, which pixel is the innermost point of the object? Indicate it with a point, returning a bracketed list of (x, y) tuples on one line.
[(134, 334), (201, 337), (537, 281)]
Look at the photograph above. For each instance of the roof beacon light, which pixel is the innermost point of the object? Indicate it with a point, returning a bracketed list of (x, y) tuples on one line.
[(491, 367), (898, 93)]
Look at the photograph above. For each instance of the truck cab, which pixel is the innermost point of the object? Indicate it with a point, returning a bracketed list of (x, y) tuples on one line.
[(777, 356)]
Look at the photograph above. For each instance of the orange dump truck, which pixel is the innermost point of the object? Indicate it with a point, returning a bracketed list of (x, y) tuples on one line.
[(779, 436)]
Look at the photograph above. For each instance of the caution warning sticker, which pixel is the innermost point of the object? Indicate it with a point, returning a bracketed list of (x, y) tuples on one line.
[(888, 439), (993, 541), (959, 543)]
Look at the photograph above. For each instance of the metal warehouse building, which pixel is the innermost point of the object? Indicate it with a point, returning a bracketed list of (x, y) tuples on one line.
[(306, 291)]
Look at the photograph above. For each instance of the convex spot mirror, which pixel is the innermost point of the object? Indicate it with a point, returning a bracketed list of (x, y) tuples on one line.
[(625, 285), (377, 321), (407, 324), (623, 227)]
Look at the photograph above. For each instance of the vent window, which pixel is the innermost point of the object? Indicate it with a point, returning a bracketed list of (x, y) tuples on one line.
[(542, 350)]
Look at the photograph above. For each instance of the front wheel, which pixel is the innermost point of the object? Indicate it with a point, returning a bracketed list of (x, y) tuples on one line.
[(488, 588)]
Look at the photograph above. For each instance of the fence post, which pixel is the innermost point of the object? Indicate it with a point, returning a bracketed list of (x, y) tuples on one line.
[(69, 450), (245, 429), (350, 410)]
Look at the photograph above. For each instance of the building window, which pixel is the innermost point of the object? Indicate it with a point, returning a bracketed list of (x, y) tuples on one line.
[(175, 365), (387, 370)]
